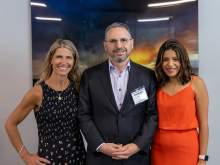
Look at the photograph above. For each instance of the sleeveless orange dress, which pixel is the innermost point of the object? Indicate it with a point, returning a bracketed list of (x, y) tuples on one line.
[(176, 140)]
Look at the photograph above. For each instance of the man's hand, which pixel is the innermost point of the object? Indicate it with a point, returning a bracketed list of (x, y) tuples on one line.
[(126, 151), (109, 148)]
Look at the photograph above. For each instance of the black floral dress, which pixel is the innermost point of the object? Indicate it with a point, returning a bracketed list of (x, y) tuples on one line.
[(60, 140)]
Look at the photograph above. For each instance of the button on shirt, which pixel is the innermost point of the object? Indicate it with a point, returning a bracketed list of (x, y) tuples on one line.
[(119, 81)]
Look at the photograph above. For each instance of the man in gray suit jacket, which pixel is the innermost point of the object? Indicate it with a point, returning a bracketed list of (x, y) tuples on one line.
[(117, 111)]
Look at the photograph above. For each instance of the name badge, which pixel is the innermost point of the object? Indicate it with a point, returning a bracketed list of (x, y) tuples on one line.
[(139, 95)]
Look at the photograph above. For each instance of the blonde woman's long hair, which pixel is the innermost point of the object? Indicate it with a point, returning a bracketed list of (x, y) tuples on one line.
[(74, 74)]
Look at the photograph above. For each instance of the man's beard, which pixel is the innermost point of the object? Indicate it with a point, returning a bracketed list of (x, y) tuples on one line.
[(118, 59)]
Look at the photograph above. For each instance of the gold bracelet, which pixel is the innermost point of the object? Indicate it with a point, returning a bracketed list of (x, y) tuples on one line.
[(22, 147)]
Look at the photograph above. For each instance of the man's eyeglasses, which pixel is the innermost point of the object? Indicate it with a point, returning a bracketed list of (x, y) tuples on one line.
[(122, 41)]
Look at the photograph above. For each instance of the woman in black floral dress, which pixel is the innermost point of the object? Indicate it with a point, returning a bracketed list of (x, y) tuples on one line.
[(54, 99)]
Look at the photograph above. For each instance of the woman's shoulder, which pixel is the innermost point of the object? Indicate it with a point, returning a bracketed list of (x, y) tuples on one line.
[(197, 80), (36, 92), (33, 96), (197, 83)]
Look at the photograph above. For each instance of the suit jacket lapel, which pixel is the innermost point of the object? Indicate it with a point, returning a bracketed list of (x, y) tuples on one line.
[(131, 82), (106, 82)]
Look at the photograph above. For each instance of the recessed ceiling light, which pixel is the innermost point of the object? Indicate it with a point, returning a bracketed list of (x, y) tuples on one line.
[(48, 18), (38, 4), (170, 3), (154, 19)]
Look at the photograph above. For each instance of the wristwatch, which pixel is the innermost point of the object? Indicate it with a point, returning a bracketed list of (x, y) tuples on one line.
[(204, 157)]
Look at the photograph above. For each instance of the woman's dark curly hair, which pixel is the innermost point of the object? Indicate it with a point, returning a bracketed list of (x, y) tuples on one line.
[(184, 75)]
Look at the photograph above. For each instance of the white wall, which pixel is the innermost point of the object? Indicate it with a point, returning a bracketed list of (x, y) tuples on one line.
[(209, 67), (15, 71)]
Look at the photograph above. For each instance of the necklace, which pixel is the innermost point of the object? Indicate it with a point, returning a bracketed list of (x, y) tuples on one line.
[(60, 92), (59, 96), (58, 88)]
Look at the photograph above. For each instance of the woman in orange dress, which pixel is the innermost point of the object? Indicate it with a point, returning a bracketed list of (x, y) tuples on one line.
[(182, 99)]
